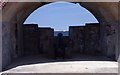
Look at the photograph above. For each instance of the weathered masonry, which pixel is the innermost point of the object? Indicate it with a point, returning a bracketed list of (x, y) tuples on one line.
[(15, 13), (85, 39), (81, 40)]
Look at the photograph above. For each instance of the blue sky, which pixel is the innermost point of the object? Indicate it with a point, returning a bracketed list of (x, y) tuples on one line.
[(61, 15)]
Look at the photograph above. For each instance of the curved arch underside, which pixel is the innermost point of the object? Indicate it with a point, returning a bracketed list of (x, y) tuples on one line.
[(15, 13), (107, 11)]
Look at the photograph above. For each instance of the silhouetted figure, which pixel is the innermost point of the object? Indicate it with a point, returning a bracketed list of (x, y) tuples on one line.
[(60, 52)]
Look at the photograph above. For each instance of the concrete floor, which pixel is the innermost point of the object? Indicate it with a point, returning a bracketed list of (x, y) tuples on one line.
[(81, 65)]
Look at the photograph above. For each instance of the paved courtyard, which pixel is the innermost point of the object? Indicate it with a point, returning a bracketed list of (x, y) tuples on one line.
[(82, 64)]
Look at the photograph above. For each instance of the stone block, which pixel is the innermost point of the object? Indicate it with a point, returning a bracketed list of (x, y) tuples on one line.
[(76, 35), (85, 39), (92, 38), (46, 40), (30, 39)]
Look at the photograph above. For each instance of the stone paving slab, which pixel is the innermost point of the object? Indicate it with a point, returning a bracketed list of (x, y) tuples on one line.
[(59, 67), (68, 67)]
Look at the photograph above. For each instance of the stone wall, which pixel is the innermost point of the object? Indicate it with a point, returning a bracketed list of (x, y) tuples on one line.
[(46, 36), (76, 34), (89, 39), (103, 35), (92, 39), (8, 43), (38, 40), (31, 43), (85, 39), (109, 39), (112, 36)]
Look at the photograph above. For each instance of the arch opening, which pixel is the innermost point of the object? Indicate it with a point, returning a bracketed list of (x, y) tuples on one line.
[(67, 11), (36, 6)]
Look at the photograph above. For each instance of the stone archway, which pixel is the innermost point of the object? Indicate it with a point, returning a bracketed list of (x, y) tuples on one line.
[(15, 13)]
